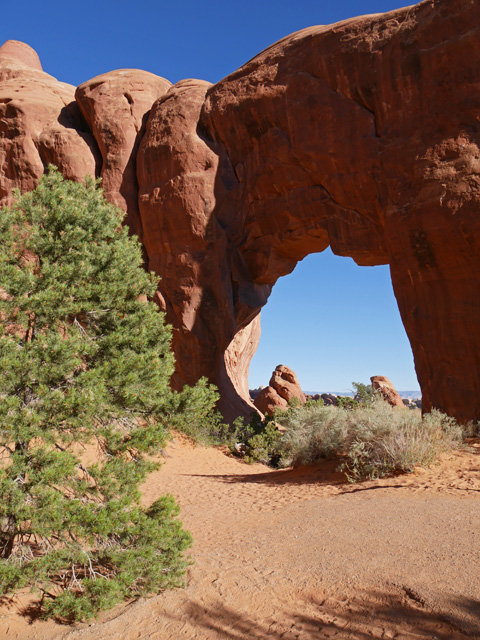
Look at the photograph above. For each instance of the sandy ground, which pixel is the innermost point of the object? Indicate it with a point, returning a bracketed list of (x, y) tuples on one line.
[(302, 554)]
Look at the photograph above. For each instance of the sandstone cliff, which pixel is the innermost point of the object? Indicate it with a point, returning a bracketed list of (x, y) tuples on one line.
[(362, 135)]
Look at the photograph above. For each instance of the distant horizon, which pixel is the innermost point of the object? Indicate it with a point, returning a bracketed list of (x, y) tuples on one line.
[(403, 393)]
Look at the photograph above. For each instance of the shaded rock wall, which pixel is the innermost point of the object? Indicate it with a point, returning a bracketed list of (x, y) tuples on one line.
[(363, 135)]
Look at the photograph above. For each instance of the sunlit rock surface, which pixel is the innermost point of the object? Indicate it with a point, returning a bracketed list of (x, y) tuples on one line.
[(362, 135), (283, 390), (384, 386)]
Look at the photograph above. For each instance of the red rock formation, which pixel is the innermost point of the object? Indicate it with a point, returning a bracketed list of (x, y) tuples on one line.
[(269, 400), (237, 364), (388, 391), (19, 52), (116, 106), (363, 135), (40, 123), (282, 390), (286, 384)]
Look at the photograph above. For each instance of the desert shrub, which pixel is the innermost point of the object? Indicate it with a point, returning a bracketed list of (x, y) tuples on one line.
[(372, 439), (313, 432), (194, 413), (346, 402), (384, 440), (364, 394), (314, 403), (266, 446), (86, 362)]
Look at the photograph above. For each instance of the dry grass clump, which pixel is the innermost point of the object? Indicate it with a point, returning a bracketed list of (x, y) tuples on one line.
[(375, 440), (313, 432)]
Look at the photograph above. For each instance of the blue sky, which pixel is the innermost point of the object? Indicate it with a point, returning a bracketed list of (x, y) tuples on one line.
[(331, 321)]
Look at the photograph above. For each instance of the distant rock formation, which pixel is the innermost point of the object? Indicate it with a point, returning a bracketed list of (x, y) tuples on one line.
[(384, 386), (329, 399), (282, 390), (362, 135), (411, 403)]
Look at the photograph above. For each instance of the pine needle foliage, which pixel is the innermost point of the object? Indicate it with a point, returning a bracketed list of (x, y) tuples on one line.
[(84, 397)]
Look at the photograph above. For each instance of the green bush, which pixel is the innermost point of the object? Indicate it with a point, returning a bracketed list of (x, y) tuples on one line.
[(364, 394), (85, 360)]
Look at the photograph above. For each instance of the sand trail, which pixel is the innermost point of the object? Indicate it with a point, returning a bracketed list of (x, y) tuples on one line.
[(302, 554)]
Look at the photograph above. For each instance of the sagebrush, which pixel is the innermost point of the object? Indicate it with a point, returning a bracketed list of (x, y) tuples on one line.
[(370, 438)]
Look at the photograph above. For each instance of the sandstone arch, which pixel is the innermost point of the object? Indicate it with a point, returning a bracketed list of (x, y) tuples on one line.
[(362, 135)]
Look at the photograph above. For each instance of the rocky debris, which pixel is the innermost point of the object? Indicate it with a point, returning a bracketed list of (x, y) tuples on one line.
[(388, 391), (362, 135)]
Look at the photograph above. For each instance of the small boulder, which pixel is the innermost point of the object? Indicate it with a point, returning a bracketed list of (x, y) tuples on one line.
[(282, 389), (268, 400), (388, 391), (286, 384)]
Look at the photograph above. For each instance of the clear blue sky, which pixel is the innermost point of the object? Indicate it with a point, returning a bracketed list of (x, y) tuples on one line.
[(331, 321)]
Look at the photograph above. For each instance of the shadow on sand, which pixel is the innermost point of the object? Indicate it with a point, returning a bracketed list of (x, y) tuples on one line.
[(363, 617)]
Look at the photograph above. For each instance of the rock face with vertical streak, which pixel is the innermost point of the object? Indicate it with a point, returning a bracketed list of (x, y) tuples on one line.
[(363, 135)]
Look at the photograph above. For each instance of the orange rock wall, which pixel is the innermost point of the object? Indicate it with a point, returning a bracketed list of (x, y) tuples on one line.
[(363, 135)]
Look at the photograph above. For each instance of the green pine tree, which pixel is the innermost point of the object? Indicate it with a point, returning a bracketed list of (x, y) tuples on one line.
[(84, 397)]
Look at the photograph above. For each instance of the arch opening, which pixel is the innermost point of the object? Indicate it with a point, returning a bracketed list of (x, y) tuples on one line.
[(334, 322)]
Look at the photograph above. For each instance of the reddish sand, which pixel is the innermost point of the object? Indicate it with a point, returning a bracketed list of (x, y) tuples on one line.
[(302, 554)]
